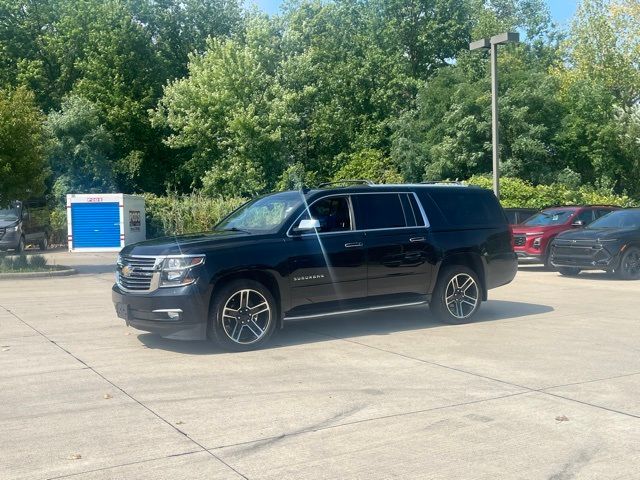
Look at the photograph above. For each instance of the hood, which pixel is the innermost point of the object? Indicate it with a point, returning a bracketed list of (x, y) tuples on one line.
[(524, 229), (596, 234), (196, 243), (8, 223)]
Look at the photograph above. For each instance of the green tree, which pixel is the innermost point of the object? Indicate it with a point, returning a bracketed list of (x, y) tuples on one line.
[(604, 46), (82, 156), (23, 143), (228, 115)]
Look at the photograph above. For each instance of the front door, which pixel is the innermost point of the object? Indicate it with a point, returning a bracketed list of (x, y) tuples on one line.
[(398, 249), (327, 266)]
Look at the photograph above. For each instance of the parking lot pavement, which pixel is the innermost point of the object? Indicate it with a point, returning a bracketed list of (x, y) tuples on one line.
[(544, 384)]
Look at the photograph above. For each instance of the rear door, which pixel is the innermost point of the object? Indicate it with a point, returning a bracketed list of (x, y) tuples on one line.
[(397, 244), (328, 265)]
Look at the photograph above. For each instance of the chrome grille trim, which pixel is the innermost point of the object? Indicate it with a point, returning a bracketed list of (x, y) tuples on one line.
[(144, 276)]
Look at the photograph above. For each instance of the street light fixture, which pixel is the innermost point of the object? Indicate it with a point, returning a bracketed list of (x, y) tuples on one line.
[(492, 44)]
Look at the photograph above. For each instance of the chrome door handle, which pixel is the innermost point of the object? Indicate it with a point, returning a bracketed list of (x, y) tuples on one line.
[(417, 239), (353, 244)]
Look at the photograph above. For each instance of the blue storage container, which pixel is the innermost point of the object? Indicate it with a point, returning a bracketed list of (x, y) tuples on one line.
[(104, 222)]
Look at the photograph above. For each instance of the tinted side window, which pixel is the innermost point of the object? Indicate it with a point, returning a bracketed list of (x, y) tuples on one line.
[(586, 217), (379, 211), (468, 206), (333, 213), (601, 212)]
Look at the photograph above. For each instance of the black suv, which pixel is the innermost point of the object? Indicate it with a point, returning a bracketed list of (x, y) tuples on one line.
[(611, 243), (19, 226), (313, 253)]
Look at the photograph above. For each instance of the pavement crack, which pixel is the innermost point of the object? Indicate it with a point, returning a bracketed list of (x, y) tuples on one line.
[(364, 420), (528, 389), (128, 464), (114, 385)]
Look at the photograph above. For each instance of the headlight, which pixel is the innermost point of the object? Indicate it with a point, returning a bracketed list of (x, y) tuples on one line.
[(14, 228), (177, 271)]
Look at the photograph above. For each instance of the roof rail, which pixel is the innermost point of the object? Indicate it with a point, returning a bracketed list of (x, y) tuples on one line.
[(347, 182), (442, 182), (581, 205)]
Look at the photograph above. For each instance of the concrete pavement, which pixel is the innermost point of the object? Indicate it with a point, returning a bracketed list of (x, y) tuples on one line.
[(543, 385)]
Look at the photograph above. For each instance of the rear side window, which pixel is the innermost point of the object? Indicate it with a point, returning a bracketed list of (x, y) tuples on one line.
[(586, 217), (379, 211), (467, 207)]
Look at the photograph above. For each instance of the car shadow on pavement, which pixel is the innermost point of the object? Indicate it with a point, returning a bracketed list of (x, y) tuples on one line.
[(380, 322)]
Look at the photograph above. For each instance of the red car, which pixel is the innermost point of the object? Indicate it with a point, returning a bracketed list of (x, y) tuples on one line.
[(532, 238)]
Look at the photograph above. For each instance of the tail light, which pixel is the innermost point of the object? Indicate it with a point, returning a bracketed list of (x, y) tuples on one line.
[(513, 239)]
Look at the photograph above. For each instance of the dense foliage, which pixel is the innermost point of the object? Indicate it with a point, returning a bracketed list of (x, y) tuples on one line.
[(157, 96)]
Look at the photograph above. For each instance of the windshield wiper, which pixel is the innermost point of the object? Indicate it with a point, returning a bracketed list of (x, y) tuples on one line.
[(234, 229)]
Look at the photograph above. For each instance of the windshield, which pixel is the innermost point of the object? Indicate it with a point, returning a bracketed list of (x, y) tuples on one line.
[(549, 217), (265, 214), (9, 214), (618, 219)]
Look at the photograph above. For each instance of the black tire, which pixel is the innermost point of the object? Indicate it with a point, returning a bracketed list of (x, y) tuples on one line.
[(569, 271), (254, 330), (461, 309), (43, 244), (21, 246), (630, 264)]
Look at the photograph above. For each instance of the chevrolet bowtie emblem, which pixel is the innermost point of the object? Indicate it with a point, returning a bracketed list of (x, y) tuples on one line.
[(126, 271)]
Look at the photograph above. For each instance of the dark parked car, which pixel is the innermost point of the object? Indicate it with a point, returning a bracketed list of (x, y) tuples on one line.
[(532, 239), (518, 215), (19, 227), (303, 254), (611, 243)]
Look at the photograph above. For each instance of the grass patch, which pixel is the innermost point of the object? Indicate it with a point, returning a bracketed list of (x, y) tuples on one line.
[(24, 263)]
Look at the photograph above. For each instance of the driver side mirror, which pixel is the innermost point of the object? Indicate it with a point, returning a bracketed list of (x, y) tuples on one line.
[(578, 223), (306, 225)]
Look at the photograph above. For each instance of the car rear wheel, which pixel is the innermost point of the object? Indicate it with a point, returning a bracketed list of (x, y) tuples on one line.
[(43, 243), (243, 315), (630, 264), (569, 271), (457, 295)]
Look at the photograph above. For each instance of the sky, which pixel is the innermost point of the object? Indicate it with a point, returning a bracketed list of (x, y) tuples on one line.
[(561, 10)]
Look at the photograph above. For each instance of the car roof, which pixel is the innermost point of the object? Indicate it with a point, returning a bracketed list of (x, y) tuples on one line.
[(395, 187)]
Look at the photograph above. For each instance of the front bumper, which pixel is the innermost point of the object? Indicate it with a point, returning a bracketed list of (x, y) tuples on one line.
[(10, 239), (583, 256), (526, 257), (179, 313)]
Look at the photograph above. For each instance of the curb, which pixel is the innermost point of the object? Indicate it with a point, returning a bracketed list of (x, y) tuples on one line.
[(53, 273)]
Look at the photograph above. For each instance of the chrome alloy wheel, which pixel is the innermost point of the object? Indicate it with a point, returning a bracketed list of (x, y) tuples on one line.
[(462, 296), (246, 316)]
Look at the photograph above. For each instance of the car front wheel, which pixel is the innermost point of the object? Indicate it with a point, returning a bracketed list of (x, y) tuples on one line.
[(457, 295), (630, 264), (243, 315)]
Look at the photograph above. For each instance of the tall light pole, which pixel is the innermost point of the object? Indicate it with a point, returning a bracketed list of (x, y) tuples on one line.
[(492, 44)]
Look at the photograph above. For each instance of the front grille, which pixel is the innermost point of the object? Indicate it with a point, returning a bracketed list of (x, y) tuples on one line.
[(519, 240), (573, 251), (136, 273)]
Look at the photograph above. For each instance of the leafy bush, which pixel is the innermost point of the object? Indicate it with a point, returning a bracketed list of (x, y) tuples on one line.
[(176, 215), (58, 226), (515, 192), (37, 262), (22, 263), (367, 164)]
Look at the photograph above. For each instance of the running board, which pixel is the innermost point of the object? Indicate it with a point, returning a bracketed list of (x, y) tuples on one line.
[(357, 310)]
